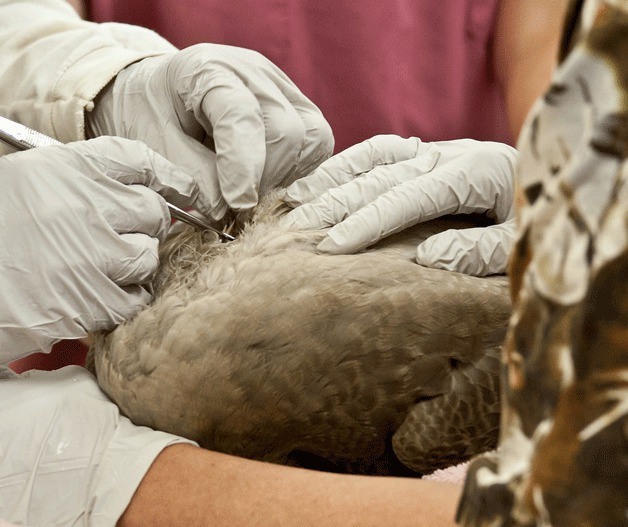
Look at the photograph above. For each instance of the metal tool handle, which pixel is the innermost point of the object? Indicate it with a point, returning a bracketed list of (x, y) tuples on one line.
[(22, 137)]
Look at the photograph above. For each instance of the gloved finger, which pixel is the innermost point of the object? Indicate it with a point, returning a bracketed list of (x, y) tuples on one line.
[(448, 189), (95, 302), (477, 251), (317, 142), (236, 124), (199, 161), (129, 161), (124, 301), (318, 145), (133, 259), (338, 203), (137, 298), (352, 162), (285, 136), (406, 204), (132, 209)]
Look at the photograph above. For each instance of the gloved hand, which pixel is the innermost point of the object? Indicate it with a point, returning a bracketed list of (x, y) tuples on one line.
[(388, 183), (80, 226), (227, 115)]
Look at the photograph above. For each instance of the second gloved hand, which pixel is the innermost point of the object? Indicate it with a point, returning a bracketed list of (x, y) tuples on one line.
[(389, 183), (80, 230), (227, 115)]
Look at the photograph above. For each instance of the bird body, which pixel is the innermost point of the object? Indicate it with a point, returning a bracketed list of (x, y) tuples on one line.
[(264, 348)]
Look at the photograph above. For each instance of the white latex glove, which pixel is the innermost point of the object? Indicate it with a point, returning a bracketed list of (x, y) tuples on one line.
[(80, 226), (389, 183), (227, 115)]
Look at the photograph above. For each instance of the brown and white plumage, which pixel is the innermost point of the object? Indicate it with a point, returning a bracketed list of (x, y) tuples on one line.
[(265, 349), (563, 454)]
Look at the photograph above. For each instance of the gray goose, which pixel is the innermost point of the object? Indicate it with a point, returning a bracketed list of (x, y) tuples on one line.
[(262, 348)]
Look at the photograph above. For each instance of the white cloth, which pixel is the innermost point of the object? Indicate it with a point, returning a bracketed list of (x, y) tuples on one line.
[(67, 456), (53, 67)]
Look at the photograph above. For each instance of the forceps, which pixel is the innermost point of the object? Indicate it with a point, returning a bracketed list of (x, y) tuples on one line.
[(21, 137)]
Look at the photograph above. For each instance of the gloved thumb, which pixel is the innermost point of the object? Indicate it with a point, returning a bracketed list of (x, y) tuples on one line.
[(479, 251)]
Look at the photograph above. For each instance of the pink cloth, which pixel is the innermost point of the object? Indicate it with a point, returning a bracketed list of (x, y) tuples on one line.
[(409, 67), (64, 353)]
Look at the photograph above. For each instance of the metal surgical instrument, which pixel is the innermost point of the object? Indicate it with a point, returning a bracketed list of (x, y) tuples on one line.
[(23, 138)]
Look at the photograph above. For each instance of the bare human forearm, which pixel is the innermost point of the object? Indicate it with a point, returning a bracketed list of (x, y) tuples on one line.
[(527, 38), (189, 486)]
